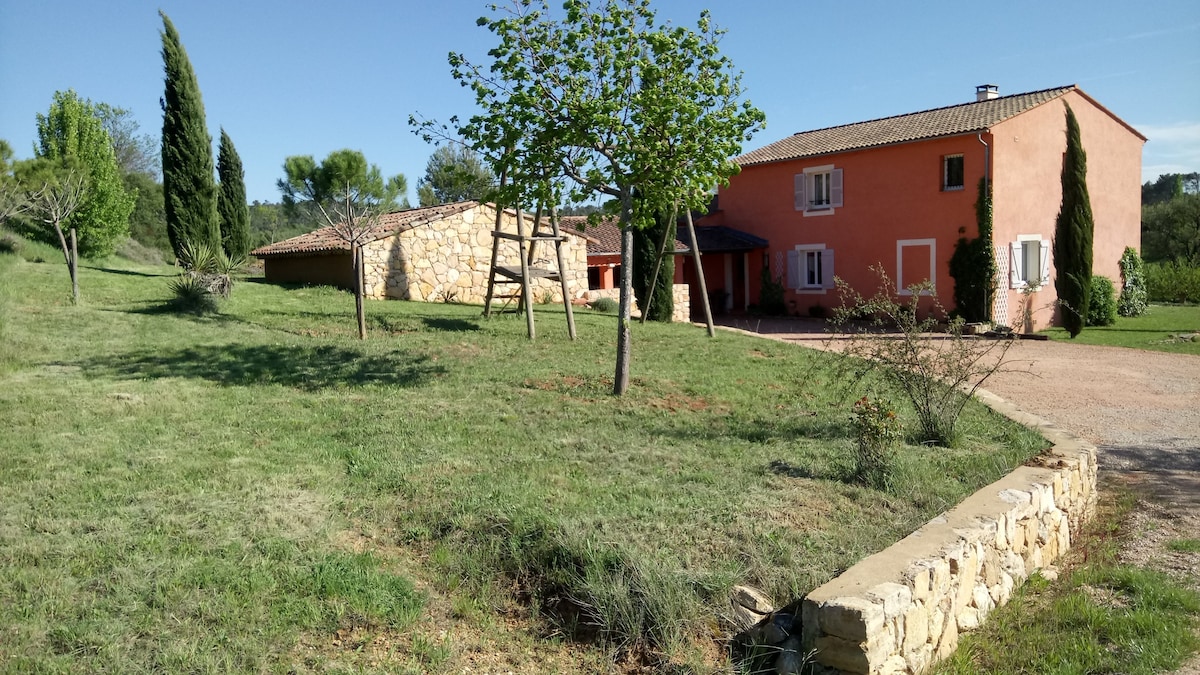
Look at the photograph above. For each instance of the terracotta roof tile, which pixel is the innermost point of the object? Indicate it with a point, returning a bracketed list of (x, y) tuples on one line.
[(324, 240), (957, 119), (603, 238)]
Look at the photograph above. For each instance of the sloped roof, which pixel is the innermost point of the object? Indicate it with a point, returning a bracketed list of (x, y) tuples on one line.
[(603, 238), (723, 239), (964, 118), (325, 240)]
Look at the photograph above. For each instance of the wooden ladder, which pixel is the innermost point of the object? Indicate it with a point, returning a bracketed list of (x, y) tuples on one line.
[(521, 275)]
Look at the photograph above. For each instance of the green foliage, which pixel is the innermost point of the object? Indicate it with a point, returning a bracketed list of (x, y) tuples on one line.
[(1169, 186), (1171, 230), (1073, 233), (232, 211), (148, 222), (192, 295), (771, 293), (1133, 300), (605, 305), (72, 130), (938, 374), (1173, 281), (454, 173), (339, 189), (647, 243), (189, 193), (878, 431), (1102, 307), (973, 264), (1163, 328)]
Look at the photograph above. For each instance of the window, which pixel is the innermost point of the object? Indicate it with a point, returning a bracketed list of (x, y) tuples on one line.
[(952, 172), (818, 191), (916, 263), (1029, 262), (810, 268)]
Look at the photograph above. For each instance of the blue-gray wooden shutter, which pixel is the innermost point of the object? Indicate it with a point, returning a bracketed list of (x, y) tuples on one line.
[(835, 188), (793, 270), (798, 185), (827, 268)]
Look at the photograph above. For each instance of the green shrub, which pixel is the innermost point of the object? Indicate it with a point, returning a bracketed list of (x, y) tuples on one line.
[(10, 243), (606, 305), (192, 296), (1173, 281), (877, 431), (1133, 300), (1102, 302), (770, 297)]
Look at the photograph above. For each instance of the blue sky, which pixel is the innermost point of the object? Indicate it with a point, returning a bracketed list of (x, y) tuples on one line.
[(309, 77)]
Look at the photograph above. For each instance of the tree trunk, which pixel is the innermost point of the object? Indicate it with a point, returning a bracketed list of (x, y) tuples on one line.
[(73, 266), (621, 379), (359, 282)]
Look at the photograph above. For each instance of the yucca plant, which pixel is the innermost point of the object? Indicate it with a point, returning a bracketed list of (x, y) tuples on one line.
[(211, 266), (192, 296)]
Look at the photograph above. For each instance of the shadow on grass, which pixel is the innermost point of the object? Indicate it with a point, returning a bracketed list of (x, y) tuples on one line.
[(833, 472), (298, 366), (450, 325), (132, 273)]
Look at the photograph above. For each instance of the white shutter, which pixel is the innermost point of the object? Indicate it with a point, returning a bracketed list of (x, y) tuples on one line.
[(1045, 261), (798, 185), (827, 268), (1014, 265), (793, 270), (835, 188)]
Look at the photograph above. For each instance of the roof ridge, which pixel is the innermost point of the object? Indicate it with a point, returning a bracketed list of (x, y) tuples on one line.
[(1066, 88)]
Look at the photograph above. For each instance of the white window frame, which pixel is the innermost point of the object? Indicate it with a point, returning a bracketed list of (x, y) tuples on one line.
[(805, 186), (798, 269), (901, 287), (946, 186), (1018, 276)]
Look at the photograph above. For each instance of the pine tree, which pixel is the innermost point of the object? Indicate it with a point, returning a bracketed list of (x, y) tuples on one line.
[(1073, 232), (232, 211), (188, 189)]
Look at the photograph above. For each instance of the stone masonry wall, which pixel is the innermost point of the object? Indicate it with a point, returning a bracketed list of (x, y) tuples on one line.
[(902, 609), (681, 296), (448, 260)]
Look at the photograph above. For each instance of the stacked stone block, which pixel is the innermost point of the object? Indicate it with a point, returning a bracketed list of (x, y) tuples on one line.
[(903, 609)]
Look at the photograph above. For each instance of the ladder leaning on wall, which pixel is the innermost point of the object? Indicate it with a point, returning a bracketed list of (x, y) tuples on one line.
[(521, 275)]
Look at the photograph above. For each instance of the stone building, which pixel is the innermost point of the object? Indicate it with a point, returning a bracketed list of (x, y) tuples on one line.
[(436, 253)]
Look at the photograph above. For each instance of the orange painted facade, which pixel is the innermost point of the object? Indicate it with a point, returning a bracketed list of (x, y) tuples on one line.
[(895, 212)]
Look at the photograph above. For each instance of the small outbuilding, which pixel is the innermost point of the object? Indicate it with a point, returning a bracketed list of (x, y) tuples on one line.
[(435, 253)]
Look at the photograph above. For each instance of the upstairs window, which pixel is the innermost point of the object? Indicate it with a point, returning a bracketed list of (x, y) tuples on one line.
[(818, 191), (952, 172)]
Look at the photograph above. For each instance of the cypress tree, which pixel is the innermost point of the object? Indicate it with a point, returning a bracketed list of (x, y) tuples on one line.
[(1073, 233), (231, 200), (189, 193), (646, 244)]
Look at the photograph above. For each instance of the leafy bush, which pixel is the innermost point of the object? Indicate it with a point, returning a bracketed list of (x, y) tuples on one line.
[(606, 305), (192, 296), (1173, 281), (210, 266), (10, 243), (938, 373), (770, 297), (1133, 300), (877, 431), (1102, 302)]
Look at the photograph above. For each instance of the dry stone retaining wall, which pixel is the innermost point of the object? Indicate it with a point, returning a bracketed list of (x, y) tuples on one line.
[(449, 260), (680, 294), (902, 609)]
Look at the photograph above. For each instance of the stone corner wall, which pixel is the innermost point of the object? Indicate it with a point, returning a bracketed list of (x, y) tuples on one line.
[(680, 293), (902, 609), (449, 260)]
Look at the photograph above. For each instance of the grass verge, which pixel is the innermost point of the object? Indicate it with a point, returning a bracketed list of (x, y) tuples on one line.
[(1153, 331), (260, 491), (1100, 616)]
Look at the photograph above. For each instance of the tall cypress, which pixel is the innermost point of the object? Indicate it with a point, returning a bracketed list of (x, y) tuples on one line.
[(646, 246), (1073, 233), (189, 193), (232, 211)]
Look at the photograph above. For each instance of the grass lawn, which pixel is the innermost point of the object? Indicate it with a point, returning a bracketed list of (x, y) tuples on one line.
[(1101, 616), (1152, 330), (262, 492)]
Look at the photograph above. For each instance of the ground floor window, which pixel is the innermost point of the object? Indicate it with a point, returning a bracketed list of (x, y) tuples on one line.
[(810, 268), (1029, 262)]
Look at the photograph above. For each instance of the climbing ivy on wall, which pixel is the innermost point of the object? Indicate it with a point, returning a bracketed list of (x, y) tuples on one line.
[(973, 264)]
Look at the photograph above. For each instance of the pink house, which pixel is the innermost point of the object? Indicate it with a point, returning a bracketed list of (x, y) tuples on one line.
[(900, 191)]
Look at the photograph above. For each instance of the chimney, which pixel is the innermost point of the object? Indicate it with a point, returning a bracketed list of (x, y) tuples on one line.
[(986, 92)]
